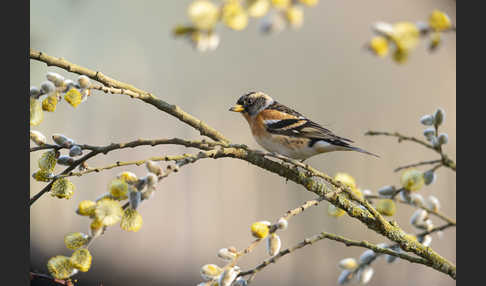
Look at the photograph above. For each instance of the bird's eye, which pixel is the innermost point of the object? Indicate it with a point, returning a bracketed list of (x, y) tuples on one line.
[(250, 101)]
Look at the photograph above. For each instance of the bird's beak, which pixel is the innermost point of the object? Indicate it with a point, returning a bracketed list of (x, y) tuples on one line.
[(237, 108)]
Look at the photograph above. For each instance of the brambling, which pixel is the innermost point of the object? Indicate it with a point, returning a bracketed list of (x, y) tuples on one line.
[(282, 130)]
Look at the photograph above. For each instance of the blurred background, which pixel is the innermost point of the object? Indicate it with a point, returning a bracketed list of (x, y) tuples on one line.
[(321, 70)]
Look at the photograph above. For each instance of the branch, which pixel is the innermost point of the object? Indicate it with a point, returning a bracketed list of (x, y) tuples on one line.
[(417, 164), (445, 160), (133, 92), (34, 275), (95, 150), (346, 241)]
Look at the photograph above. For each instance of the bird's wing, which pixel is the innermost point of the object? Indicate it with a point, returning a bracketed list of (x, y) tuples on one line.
[(303, 127)]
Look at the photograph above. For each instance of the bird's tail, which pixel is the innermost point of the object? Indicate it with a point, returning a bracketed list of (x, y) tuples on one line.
[(363, 151)]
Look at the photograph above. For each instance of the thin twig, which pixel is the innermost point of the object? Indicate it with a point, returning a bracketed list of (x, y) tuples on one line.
[(346, 241), (417, 164), (445, 160)]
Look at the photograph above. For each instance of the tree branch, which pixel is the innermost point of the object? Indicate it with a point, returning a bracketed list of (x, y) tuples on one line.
[(145, 96)]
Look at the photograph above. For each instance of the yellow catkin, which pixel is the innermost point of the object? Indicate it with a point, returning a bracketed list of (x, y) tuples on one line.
[(259, 229)]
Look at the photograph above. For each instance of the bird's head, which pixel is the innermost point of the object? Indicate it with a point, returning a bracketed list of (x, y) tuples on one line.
[(252, 103)]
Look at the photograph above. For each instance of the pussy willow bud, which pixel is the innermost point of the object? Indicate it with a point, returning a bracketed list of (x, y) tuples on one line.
[(433, 141), (81, 259), (282, 224), (429, 132), (345, 277), (131, 220), (148, 193), (387, 191), (429, 177), (348, 263), (433, 203), (365, 274), (153, 167), (60, 267), (412, 180), (427, 119), (439, 116), (108, 211), (86, 208), (65, 160), (425, 240), (367, 193), (62, 140), (47, 87), (227, 254), (128, 177), (382, 28), (38, 138), (406, 195), (260, 229), (240, 281), (55, 78), (118, 189), (443, 138), (135, 197), (273, 244), (228, 276), (417, 199), (48, 160), (62, 188), (418, 217), (84, 81), (151, 180), (75, 240), (75, 150), (367, 256), (386, 207), (35, 92), (210, 271)]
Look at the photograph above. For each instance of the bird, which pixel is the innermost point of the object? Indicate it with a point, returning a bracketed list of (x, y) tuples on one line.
[(282, 130)]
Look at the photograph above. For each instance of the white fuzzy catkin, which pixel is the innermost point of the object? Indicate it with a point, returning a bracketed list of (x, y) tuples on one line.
[(348, 263), (47, 87), (386, 191), (345, 277), (228, 276), (429, 132), (226, 254), (367, 256), (439, 116), (134, 197), (427, 119), (273, 244), (418, 217), (35, 92), (429, 177), (433, 203), (426, 240), (443, 138), (417, 199), (282, 224), (365, 274), (37, 137)]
